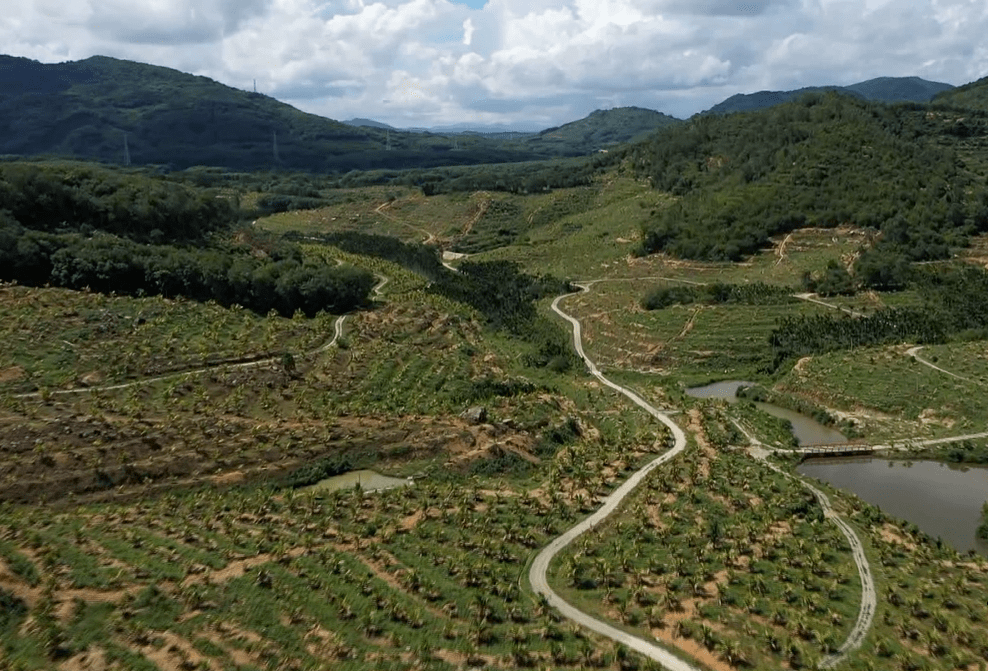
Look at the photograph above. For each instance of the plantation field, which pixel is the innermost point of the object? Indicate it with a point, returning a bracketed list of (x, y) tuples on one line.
[(58, 339), (894, 396), (724, 559), (153, 454), (689, 343)]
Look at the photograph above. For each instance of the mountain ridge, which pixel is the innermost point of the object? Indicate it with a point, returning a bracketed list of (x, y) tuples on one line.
[(879, 89)]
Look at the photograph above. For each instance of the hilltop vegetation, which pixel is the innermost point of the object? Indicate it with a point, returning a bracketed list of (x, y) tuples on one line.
[(972, 96), (880, 89), (823, 161), (601, 130)]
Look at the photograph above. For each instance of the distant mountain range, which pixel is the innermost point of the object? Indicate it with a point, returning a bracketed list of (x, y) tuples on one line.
[(601, 129), (120, 111), (881, 89)]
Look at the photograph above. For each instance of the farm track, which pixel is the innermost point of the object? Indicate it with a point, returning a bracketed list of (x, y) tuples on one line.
[(537, 573), (540, 565), (236, 364), (869, 602), (914, 353), (380, 209), (811, 298)]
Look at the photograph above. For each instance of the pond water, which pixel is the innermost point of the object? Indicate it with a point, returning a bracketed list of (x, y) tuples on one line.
[(943, 500), (807, 430), (369, 481)]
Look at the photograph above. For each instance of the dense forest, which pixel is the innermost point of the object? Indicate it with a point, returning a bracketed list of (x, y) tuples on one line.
[(824, 160), (84, 226)]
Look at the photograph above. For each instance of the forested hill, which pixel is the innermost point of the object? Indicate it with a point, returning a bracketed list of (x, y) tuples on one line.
[(972, 96), (85, 109), (600, 130), (825, 160), (881, 89)]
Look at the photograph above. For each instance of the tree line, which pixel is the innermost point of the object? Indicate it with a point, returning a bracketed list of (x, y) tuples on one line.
[(229, 276), (717, 293), (86, 197), (955, 306), (84, 226)]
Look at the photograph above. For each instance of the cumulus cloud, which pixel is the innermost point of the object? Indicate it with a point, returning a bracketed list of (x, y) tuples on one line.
[(424, 62), (174, 22)]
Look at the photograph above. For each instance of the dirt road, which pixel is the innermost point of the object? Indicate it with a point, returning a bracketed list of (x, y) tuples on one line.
[(537, 573)]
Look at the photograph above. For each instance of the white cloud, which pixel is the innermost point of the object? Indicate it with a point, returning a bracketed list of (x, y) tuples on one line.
[(434, 61)]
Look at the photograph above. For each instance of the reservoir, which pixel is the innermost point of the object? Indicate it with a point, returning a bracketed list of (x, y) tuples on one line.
[(369, 481), (807, 430), (943, 500)]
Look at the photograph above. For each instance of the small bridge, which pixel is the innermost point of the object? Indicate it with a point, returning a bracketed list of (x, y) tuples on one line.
[(834, 449)]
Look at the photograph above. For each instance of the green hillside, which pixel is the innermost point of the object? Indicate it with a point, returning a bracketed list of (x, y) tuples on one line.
[(86, 109), (973, 95), (824, 161), (600, 130), (880, 89)]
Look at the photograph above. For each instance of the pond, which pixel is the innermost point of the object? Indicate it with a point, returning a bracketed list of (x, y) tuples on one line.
[(807, 430), (369, 481), (944, 500)]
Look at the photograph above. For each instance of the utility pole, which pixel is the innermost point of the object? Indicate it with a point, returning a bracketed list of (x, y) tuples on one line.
[(388, 148), (277, 158), (126, 151)]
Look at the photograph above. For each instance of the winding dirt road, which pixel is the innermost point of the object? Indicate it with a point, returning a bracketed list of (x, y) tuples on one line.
[(914, 353), (540, 566), (537, 573)]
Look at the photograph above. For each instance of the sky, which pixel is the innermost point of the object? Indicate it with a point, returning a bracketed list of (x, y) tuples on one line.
[(535, 63)]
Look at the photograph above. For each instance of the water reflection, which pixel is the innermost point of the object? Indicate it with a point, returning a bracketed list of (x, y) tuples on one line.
[(369, 481), (943, 500), (807, 430)]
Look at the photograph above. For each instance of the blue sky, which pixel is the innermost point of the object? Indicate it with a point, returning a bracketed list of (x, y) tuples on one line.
[(532, 62)]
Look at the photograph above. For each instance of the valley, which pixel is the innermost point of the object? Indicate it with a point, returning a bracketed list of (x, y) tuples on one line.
[(570, 505)]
